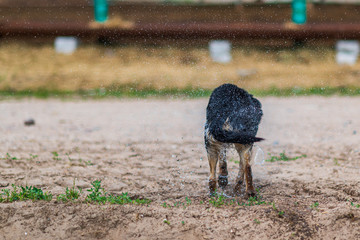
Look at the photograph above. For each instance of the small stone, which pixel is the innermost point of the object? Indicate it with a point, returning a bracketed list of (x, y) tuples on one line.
[(29, 122)]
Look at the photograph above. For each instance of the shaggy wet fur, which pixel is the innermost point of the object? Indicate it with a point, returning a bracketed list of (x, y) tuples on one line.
[(232, 117)]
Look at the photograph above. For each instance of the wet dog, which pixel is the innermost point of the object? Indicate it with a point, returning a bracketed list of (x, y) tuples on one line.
[(232, 117)]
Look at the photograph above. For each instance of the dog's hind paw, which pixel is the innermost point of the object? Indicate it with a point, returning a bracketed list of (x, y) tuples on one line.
[(223, 181), (250, 193)]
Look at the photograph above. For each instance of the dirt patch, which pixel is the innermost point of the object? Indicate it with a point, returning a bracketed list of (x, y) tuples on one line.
[(154, 149)]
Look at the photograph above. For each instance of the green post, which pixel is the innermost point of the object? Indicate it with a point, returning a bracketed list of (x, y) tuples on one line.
[(298, 11), (101, 10)]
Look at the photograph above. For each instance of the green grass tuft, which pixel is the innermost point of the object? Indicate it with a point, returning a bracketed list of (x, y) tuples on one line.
[(217, 200), (56, 156), (9, 157), (256, 200), (71, 194), (284, 157), (355, 205), (20, 193), (99, 195), (315, 205)]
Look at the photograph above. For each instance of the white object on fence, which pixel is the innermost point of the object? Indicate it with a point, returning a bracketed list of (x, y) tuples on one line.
[(220, 51), (347, 51), (66, 45)]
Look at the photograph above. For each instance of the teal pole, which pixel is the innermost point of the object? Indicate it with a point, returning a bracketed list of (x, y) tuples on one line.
[(101, 10), (298, 11)]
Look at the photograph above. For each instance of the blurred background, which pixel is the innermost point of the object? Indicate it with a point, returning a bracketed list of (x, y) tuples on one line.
[(186, 47)]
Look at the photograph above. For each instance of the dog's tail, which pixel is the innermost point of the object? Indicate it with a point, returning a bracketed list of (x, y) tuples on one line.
[(233, 136)]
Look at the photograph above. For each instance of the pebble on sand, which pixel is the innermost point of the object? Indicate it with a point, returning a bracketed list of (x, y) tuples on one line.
[(29, 122)]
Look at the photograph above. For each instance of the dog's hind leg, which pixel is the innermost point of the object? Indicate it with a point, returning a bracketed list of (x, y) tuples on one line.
[(244, 152), (212, 149), (223, 174), (213, 155), (240, 177)]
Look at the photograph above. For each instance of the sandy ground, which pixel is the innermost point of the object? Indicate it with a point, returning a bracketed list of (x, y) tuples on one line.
[(154, 149)]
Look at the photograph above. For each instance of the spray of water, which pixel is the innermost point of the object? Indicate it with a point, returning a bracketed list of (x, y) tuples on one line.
[(257, 156)]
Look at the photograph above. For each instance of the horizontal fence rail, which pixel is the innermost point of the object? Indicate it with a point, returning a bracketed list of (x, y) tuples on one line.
[(186, 31), (45, 18)]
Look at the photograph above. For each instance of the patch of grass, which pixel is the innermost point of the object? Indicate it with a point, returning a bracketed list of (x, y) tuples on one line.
[(81, 161), (99, 195), (297, 91), (9, 157), (256, 200), (88, 163), (256, 221), (283, 157), (274, 206), (217, 200), (315, 205), (252, 201), (69, 158), (134, 91), (32, 157), (188, 201), (230, 202), (20, 193), (279, 212), (170, 67), (55, 156), (234, 161), (355, 205), (128, 91), (71, 194)]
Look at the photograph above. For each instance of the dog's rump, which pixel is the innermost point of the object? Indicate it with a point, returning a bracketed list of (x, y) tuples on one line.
[(233, 115), (233, 136)]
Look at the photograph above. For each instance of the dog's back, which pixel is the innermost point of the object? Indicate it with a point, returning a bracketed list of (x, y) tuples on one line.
[(233, 115)]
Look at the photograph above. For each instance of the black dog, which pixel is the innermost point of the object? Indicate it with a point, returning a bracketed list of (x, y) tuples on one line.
[(232, 117)]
